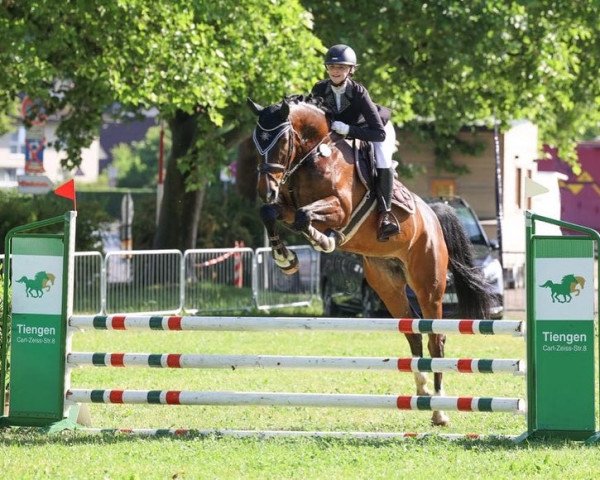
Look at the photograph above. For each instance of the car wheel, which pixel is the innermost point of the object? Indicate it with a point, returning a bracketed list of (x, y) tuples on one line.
[(329, 307)]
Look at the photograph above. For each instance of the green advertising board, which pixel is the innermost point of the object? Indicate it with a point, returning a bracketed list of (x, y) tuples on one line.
[(39, 273), (560, 335)]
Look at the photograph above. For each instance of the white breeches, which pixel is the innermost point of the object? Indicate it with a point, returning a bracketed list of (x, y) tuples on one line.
[(384, 150)]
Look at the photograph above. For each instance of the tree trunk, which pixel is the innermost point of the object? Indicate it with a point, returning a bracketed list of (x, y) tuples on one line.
[(180, 210), (247, 175)]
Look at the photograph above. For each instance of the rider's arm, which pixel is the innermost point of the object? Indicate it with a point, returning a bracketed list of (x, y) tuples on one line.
[(372, 129)]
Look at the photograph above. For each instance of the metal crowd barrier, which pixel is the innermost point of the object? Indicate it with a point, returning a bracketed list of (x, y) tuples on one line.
[(202, 281), (218, 280), (274, 289), (207, 281)]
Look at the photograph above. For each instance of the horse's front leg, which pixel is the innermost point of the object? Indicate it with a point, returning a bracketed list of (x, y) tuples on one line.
[(327, 211), (284, 258), (436, 346)]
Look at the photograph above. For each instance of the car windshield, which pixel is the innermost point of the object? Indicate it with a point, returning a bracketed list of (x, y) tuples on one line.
[(470, 224)]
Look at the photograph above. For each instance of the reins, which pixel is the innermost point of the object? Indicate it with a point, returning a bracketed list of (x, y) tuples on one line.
[(268, 168), (288, 173)]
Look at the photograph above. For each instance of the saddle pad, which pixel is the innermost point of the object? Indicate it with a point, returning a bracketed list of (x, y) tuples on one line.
[(401, 196)]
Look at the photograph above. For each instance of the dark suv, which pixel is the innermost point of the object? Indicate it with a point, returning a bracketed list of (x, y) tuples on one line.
[(345, 291)]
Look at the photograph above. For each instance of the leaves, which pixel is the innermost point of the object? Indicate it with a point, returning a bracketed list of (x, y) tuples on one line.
[(459, 62), (78, 58)]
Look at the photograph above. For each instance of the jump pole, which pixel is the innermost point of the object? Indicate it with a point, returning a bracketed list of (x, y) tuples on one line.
[(559, 342)]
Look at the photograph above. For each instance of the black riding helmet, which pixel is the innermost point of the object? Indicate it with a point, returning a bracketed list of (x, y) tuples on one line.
[(340, 55)]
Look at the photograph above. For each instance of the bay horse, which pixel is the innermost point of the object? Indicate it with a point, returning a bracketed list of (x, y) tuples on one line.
[(309, 179)]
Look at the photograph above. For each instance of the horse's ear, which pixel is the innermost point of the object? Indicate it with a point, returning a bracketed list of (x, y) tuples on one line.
[(255, 107), (285, 108)]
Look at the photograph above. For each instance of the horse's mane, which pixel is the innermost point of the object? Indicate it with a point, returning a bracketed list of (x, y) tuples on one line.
[(310, 100), (571, 277)]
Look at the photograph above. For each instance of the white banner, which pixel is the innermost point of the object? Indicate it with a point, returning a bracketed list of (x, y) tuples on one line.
[(564, 288), (37, 284)]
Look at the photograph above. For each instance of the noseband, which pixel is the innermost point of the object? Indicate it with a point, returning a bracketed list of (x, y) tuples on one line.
[(265, 139)]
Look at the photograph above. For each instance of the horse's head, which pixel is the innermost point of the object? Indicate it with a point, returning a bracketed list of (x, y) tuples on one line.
[(286, 134), (273, 137)]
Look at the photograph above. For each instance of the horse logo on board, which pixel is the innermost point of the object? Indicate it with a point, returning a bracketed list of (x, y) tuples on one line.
[(36, 286), (563, 292)]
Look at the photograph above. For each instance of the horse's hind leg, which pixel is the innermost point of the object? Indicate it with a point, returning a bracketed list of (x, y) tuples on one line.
[(428, 280), (435, 346), (386, 277)]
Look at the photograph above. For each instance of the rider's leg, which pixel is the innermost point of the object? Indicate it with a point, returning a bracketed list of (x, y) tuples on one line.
[(384, 184)]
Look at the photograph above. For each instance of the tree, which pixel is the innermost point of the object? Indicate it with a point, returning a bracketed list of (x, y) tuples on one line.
[(137, 165), (453, 63), (8, 117), (195, 61)]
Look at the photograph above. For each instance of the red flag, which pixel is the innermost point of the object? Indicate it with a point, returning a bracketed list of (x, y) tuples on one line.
[(67, 190)]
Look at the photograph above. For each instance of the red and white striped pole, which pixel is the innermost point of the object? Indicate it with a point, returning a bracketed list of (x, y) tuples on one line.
[(238, 272)]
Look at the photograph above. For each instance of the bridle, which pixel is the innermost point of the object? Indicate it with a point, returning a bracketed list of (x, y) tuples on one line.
[(264, 143)]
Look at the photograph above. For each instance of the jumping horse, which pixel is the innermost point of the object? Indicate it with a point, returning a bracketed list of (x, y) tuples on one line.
[(309, 179)]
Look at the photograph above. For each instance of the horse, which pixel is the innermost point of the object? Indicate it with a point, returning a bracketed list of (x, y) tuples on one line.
[(579, 282), (309, 179), (35, 287), (567, 286)]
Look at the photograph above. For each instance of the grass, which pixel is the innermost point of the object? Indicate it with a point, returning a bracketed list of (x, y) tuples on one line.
[(28, 454)]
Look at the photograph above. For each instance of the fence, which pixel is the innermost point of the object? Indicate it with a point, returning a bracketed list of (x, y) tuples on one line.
[(513, 264), (214, 280), (195, 281)]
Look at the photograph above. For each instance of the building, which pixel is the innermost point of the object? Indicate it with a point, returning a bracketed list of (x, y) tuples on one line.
[(96, 158), (579, 192), (13, 148), (518, 152)]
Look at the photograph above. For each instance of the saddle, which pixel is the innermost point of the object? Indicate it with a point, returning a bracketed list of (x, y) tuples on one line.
[(364, 162)]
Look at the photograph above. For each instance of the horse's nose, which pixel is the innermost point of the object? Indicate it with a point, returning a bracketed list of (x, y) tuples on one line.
[(271, 196)]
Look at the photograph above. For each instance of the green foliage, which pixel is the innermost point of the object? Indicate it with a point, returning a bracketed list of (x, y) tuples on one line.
[(8, 113), (228, 217), (445, 145), (137, 165), (200, 59), (18, 209), (144, 221), (78, 58), (456, 63)]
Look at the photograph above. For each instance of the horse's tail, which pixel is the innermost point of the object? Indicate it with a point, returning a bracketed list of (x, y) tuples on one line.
[(547, 284), (473, 292)]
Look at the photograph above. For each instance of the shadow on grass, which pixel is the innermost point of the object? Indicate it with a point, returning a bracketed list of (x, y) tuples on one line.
[(28, 437)]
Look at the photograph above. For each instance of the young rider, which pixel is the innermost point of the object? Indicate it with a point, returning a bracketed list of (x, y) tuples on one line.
[(356, 116)]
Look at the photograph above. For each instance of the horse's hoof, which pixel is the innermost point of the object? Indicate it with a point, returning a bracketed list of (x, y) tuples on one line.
[(293, 267), (440, 419)]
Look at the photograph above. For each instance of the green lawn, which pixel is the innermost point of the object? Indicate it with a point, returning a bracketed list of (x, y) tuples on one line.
[(29, 454)]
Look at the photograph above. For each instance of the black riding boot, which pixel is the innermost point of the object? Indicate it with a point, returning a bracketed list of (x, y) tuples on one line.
[(384, 185)]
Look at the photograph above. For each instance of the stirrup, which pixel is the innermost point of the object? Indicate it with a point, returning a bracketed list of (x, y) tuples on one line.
[(388, 227)]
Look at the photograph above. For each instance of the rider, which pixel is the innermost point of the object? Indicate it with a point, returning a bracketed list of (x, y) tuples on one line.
[(356, 116)]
